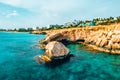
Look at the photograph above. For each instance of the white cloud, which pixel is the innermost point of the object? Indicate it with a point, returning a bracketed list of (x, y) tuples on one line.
[(12, 14), (38, 5), (12, 2)]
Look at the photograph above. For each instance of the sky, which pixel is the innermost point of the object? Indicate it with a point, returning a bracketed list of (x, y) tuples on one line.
[(31, 13)]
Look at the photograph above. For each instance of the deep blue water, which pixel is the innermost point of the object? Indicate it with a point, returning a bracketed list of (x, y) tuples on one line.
[(17, 51)]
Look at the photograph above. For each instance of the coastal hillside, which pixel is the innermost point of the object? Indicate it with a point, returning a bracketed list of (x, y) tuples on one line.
[(105, 38)]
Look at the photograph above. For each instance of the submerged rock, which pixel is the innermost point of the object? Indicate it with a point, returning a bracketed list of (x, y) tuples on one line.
[(42, 59), (54, 51)]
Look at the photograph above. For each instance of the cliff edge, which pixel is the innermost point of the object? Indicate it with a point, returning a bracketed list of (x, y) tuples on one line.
[(101, 38)]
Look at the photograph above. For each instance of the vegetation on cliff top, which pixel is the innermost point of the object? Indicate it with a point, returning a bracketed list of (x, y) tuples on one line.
[(80, 23), (75, 23)]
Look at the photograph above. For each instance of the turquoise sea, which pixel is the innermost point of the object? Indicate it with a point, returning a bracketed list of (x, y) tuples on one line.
[(17, 52)]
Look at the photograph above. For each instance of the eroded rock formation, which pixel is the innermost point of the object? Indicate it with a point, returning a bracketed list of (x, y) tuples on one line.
[(54, 51), (106, 41), (101, 38)]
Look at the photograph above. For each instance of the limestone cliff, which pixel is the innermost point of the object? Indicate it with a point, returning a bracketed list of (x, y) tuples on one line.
[(101, 38)]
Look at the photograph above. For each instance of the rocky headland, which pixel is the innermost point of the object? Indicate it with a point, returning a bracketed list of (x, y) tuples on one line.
[(100, 38)]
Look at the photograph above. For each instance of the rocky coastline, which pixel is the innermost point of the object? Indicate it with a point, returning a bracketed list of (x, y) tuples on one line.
[(100, 38)]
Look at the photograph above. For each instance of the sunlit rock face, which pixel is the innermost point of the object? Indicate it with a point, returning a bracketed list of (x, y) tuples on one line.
[(70, 35), (108, 41), (54, 50)]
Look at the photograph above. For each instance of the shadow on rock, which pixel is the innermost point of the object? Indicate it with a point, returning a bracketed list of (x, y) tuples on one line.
[(58, 62)]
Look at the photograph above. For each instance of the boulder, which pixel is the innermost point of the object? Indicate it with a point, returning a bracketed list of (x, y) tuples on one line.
[(54, 51)]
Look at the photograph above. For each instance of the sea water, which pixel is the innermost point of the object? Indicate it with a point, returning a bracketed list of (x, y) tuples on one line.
[(17, 52)]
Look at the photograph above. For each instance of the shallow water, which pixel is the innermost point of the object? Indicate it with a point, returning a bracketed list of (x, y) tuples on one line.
[(16, 61)]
